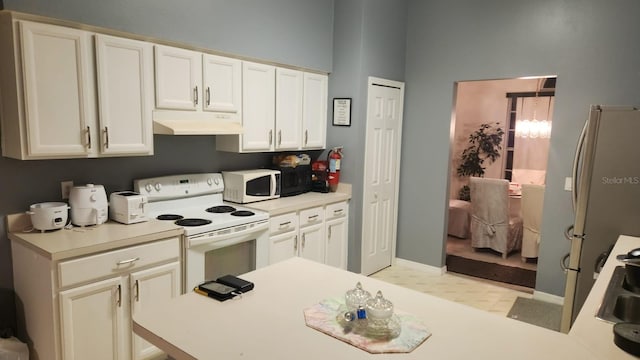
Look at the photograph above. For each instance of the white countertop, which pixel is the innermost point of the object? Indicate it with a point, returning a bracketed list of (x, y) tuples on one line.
[(268, 323), (303, 201), (78, 241), (597, 335)]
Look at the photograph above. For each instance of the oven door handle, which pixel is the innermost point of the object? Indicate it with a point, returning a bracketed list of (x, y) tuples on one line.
[(221, 238)]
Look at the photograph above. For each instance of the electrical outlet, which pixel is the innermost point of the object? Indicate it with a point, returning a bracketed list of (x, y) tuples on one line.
[(66, 186)]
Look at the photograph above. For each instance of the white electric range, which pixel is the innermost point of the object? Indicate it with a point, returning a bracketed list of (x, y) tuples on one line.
[(219, 238)]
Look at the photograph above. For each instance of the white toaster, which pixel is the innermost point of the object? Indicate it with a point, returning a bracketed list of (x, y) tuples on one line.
[(128, 207)]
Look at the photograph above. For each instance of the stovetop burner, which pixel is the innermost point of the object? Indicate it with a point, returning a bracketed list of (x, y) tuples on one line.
[(169, 217), (192, 222), (242, 213), (221, 209)]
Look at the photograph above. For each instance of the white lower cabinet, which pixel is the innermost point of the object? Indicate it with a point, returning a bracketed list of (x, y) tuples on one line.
[(311, 234), (82, 308)]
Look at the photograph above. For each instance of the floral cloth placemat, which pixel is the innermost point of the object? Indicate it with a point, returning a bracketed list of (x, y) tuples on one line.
[(323, 317)]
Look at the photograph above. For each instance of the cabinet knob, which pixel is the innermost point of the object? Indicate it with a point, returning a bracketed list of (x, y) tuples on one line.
[(270, 137), (88, 137), (195, 95), (208, 96), (106, 137)]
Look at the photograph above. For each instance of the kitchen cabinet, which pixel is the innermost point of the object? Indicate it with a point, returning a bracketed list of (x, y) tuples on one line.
[(283, 110), (314, 117), (84, 305), (337, 231), (196, 82), (288, 109), (64, 99), (318, 233)]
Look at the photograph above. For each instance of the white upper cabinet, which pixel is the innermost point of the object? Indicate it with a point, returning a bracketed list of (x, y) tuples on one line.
[(125, 95), (59, 95), (298, 121), (178, 78), (64, 99), (222, 84), (193, 81), (314, 118), (288, 109)]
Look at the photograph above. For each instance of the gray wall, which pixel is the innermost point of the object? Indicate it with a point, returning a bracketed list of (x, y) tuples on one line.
[(293, 32), (369, 40), (590, 44)]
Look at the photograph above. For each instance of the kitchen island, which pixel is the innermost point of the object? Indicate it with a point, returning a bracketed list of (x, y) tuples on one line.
[(268, 323)]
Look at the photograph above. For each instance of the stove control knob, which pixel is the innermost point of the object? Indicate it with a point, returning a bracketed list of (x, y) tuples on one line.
[(148, 187), (157, 186), (217, 181), (209, 181)]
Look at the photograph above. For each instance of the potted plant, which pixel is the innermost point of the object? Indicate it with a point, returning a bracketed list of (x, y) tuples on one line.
[(484, 145)]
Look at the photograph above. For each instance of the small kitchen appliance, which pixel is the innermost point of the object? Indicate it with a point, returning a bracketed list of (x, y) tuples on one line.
[(246, 186), (128, 207), (48, 215), (89, 205)]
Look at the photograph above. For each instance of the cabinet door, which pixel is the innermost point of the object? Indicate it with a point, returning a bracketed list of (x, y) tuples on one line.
[(92, 321), (258, 106), (222, 84), (288, 109), (59, 90), (312, 242), (314, 119), (148, 287), (336, 245), (125, 95), (178, 78), (283, 246)]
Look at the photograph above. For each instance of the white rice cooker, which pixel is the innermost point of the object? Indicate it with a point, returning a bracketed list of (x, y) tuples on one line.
[(89, 205), (48, 215)]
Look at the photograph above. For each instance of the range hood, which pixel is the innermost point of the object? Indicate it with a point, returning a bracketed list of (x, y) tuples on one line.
[(170, 122)]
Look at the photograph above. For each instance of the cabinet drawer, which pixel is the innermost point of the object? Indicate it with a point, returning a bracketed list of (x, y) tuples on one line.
[(336, 210), (117, 261), (311, 216), (283, 223)]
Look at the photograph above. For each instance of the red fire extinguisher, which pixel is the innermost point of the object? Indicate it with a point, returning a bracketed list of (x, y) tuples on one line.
[(334, 157)]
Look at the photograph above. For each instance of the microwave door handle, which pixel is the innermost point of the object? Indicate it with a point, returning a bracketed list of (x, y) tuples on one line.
[(273, 184)]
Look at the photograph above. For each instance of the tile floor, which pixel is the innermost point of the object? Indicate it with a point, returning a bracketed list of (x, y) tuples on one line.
[(482, 294)]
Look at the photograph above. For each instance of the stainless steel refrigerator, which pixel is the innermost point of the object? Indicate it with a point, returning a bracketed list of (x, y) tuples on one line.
[(606, 195)]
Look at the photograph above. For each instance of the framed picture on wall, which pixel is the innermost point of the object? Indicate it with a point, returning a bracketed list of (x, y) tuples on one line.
[(341, 111)]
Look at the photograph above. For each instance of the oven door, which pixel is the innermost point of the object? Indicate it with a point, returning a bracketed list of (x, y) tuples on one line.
[(225, 252)]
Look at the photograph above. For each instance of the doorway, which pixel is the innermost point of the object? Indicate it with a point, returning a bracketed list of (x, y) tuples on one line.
[(381, 173), (506, 105)]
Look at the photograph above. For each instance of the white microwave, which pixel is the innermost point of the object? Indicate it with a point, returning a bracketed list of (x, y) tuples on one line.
[(245, 186)]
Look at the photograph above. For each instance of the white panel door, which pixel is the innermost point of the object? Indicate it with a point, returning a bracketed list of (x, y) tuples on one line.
[(382, 158), (288, 109), (311, 245), (149, 287), (283, 247), (58, 85), (258, 106), (125, 95), (314, 117), (178, 78), (336, 245), (222, 82), (93, 322)]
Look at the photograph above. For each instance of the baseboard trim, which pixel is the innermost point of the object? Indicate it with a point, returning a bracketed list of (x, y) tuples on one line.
[(550, 298), (420, 266)]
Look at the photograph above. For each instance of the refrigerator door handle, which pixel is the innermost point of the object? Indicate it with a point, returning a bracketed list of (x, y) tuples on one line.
[(564, 263), (576, 163), (568, 232)]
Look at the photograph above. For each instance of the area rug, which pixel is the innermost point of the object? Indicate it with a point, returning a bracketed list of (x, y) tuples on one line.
[(536, 312), (491, 271)]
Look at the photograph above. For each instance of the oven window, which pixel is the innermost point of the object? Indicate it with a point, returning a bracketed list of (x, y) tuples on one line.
[(259, 186), (230, 260)]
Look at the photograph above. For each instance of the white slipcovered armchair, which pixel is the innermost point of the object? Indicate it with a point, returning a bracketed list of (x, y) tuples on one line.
[(532, 200), (492, 226)]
